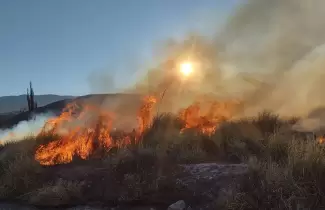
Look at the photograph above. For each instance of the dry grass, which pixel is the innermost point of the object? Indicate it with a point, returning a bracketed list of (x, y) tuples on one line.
[(19, 176), (298, 180), (284, 171), (60, 192)]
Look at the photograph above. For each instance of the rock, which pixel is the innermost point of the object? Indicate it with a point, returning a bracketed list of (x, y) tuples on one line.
[(206, 180), (9, 206), (85, 208), (179, 205)]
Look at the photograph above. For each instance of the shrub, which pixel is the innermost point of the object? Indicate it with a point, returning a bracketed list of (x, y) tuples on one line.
[(10, 150), (19, 176), (60, 192), (163, 127), (46, 137), (267, 122), (299, 181)]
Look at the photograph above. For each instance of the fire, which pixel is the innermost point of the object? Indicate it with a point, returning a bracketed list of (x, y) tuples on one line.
[(206, 122), (145, 113), (81, 139), (321, 139), (86, 132)]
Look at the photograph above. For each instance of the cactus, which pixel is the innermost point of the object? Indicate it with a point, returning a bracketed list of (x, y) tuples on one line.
[(30, 98)]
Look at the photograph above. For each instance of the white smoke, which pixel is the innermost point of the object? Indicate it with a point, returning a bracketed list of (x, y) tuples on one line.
[(25, 128)]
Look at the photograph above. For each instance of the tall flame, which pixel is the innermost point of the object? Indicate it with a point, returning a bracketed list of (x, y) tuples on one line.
[(81, 140), (86, 132)]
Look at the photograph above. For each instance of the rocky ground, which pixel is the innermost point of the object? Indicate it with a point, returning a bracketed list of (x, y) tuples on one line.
[(208, 183)]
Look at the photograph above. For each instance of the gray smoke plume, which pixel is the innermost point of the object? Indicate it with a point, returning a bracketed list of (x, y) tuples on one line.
[(269, 54), (284, 40)]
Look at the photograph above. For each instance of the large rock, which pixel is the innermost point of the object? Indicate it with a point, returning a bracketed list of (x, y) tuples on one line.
[(179, 205)]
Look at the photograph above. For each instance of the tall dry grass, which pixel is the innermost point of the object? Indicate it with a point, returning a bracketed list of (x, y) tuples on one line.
[(285, 171)]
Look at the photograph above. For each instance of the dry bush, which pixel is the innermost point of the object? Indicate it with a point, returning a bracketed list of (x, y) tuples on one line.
[(46, 137), (26, 146), (19, 172), (60, 192), (277, 147), (267, 122), (233, 141), (10, 150), (298, 181), (141, 175), (165, 138), (164, 127), (19, 176), (237, 140)]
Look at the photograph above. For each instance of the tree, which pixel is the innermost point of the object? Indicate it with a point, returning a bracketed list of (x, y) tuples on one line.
[(30, 98)]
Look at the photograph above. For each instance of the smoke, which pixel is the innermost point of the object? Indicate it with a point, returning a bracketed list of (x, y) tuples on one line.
[(25, 128), (284, 40), (269, 55), (101, 82)]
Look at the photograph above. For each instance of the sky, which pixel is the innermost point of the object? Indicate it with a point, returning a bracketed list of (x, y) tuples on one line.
[(62, 45)]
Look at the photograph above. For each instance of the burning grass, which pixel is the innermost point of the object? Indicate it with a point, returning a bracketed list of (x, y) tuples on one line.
[(136, 166), (87, 132)]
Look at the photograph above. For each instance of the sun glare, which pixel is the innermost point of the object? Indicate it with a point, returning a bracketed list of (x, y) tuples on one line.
[(186, 68)]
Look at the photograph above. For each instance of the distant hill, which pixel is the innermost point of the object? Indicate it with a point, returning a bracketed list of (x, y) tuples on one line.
[(16, 103), (120, 103)]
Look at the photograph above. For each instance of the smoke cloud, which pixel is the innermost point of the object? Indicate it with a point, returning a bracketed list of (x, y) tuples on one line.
[(269, 55), (284, 41), (101, 82), (281, 42), (25, 128)]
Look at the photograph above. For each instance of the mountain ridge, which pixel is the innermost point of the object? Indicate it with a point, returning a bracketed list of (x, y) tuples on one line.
[(16, 103)]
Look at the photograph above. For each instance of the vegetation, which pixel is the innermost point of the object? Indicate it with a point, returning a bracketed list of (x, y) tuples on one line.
[(285, 171), (32, 104)]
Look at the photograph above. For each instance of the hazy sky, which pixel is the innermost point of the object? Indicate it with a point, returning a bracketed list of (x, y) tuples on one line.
[(58, 44)]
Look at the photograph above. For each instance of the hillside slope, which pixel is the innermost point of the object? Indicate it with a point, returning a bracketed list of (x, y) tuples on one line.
[(119, 103), (17, 103)]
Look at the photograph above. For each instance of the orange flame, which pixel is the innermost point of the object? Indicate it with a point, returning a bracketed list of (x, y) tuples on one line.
[(207, 122), (86, 133), (81, 140), (321, 139), (145, 113)]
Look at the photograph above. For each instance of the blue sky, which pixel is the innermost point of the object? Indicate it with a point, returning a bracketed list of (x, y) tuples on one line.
[(58, 44)]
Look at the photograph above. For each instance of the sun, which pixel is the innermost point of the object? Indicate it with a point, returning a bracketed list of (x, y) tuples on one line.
[(186, 68)]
